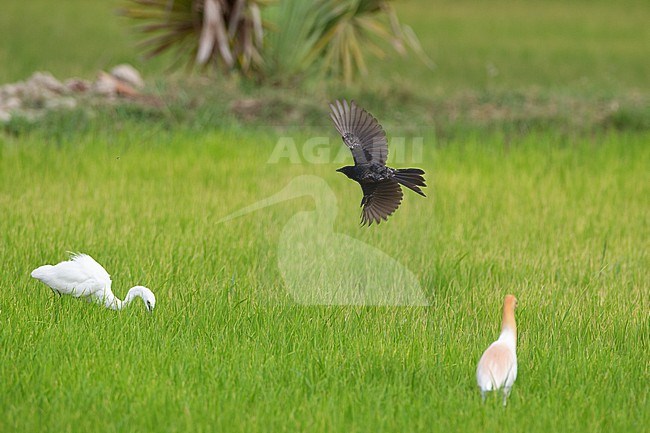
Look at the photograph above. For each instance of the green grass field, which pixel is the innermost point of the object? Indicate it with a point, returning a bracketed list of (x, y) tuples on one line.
[(563, 226), (558, 219)]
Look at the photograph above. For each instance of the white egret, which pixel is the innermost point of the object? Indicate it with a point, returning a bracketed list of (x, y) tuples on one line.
[(83, 277), (497, 368)]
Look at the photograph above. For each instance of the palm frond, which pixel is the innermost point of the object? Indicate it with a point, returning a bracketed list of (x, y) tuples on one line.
[(226, 33), (333, 36)]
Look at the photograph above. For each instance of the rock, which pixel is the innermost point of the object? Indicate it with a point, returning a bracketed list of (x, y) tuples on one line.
[(34, 97), (129, 75), (76, 85), (10, 90), (108, 85), (11, 103), (105, 84), (124, 89), (47, 81)]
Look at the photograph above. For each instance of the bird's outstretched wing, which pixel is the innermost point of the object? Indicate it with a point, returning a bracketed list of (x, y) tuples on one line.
[(380, 200), (79, 276), (360, 132)]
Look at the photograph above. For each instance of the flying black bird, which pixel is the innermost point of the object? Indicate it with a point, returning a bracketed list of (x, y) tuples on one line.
[(366, 139)]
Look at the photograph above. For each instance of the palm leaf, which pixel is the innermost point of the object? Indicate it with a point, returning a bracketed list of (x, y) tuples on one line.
[(228, 33), (333, 36)]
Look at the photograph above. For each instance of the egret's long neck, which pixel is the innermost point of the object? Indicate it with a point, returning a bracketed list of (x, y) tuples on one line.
[(508, 325), (130, 296), (111, 301), (114, 303)]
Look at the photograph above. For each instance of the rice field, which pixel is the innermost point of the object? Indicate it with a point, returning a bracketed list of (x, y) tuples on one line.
[(560, 220)]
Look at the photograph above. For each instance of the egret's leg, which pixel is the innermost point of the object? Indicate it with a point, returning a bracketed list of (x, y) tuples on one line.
[(483, 396), (506, 393)]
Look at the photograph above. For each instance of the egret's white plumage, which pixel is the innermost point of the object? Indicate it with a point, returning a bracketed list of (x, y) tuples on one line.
[(497, 368), (83, 277)]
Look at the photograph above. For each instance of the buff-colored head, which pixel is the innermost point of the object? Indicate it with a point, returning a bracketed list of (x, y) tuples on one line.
[(510, 302)]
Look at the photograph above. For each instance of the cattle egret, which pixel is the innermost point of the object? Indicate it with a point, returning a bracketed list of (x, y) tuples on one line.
[(497, 368), (83, 277)]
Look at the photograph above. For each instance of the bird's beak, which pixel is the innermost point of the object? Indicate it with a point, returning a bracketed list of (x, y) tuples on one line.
[(340, 170)]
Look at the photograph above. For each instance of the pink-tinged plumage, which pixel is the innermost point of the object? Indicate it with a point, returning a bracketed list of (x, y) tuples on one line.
[(497, 368)]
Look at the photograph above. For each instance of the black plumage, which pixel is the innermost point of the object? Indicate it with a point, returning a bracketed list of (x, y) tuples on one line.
[(380, 184)]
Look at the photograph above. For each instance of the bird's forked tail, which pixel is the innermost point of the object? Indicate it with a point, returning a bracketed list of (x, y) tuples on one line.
[(411, 178)]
